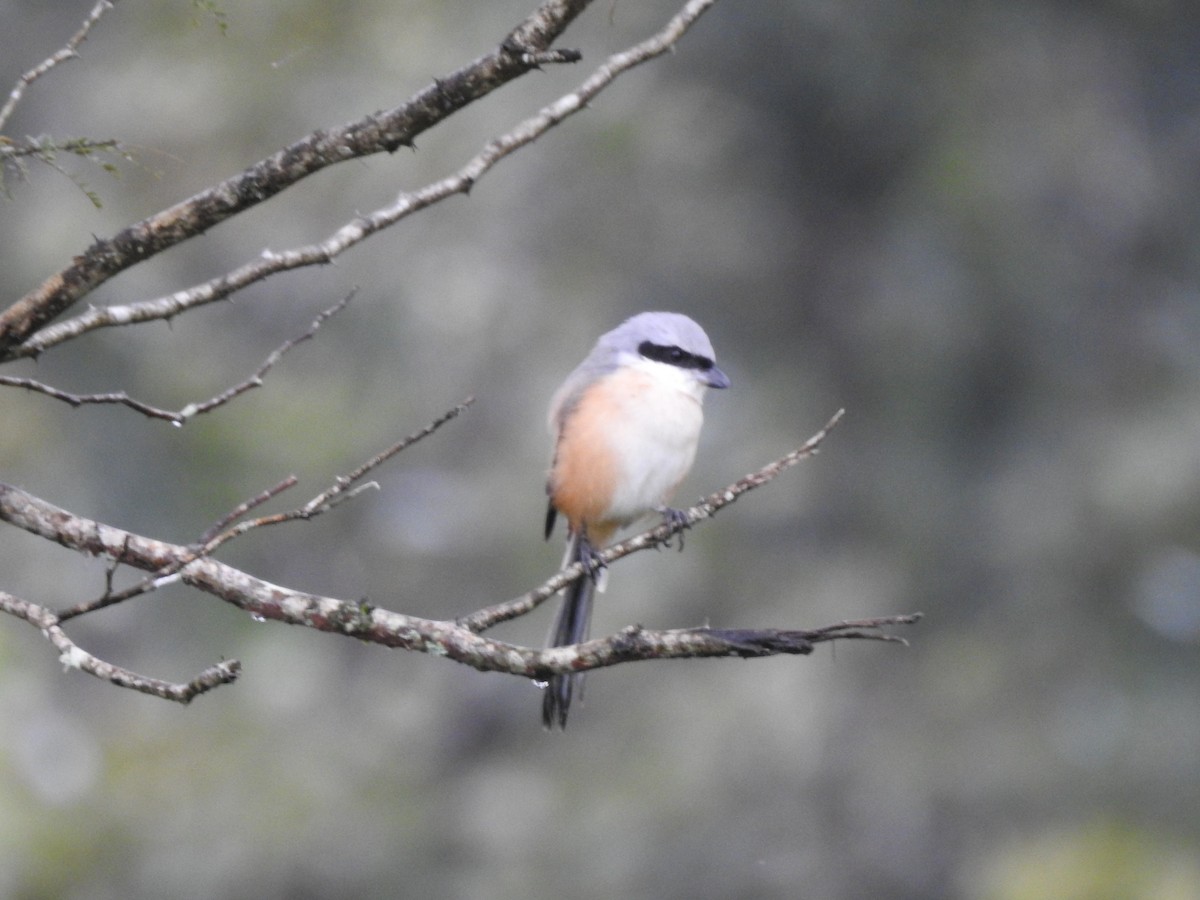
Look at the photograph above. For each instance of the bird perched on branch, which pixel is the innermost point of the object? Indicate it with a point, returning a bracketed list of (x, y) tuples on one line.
[(625, 426)]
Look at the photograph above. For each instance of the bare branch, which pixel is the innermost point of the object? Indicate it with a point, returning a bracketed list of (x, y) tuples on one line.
[(635, 643), (361, 620), (652, 537), (458, 640), (221, 532), (170, 574), (343, 487), (116, 397), (47, 148), (69, 51), (72, 656), (256, 380), (147, 585), (245, 507), (192, 409), (378, 133), (363, 226)]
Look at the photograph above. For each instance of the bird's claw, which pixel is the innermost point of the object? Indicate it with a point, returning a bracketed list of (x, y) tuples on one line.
[(590, 558), (676, 518)]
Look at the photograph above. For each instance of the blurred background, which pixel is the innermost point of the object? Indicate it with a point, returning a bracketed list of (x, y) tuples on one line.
[(972, 225)]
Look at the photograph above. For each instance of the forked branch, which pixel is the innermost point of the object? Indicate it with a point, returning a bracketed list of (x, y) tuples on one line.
[(72, 656), (360, 228), (180, 416), (459, 640), (524, 49)]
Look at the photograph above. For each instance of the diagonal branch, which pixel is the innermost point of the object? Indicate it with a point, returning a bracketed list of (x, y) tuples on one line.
[(170, 574), (364, 225), (223, 531), (652, 537), (192, 409), (343, 488), (69, 51), (74, 657), (520, 52)]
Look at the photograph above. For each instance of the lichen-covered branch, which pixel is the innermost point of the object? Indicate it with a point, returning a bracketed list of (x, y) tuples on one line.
[(385, 132), (459, 640), (72, 656), (229, 527), (363, 225)]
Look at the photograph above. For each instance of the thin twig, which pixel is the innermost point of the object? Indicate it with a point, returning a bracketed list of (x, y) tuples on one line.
[(343, 487), (246, 506), (47, 148), (256, 380), (636, 643), (116, 398), (149, 584), (323, 500), (169, 574), (179, 417), (72, 656), (69, 51), (657, 536)]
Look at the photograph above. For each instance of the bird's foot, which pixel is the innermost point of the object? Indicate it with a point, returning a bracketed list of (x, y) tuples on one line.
[(676, 518), (589, 556)]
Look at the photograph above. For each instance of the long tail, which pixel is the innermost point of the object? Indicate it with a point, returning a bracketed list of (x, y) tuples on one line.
[(570, 628)]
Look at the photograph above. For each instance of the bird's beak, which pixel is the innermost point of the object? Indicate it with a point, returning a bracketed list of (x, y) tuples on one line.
[(715, 378)]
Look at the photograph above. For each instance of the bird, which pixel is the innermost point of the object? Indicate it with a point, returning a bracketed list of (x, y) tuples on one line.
[(625, 424)]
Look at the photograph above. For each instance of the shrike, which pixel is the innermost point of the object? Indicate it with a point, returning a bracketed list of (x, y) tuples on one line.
[(625, 425)]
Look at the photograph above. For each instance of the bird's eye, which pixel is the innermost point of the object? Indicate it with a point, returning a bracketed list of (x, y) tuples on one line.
[(673, 355)]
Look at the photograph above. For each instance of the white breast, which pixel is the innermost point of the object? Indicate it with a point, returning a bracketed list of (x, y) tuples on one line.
[(655, 435)]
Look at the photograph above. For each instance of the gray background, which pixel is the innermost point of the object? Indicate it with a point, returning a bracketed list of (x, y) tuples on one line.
[(971, 224)]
